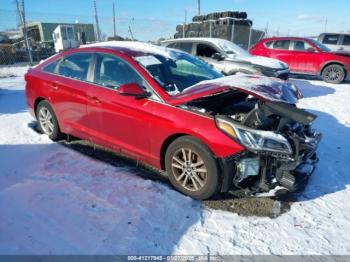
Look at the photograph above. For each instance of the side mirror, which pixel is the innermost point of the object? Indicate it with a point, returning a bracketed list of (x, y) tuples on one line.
[(133, 89), (218, 56), (311, 50)]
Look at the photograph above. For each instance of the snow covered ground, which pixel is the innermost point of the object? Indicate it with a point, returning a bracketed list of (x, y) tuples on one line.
[(55, 200)]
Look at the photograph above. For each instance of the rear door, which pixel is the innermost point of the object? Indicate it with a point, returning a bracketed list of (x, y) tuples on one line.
[(119, 122), (280, 49), (68, 81)]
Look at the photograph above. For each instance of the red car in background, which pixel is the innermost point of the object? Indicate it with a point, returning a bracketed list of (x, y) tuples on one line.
[(306, 56)]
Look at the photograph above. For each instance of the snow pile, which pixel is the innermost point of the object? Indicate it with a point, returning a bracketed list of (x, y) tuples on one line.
[(55, 200), (13, 71), (138, 47)]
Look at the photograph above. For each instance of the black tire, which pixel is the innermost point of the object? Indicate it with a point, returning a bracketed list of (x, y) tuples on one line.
[(56, 132), (334, 74), (211, 185)]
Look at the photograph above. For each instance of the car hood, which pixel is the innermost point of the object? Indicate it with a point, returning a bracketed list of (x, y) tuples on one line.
[(260, 87), (342, 53), (260, 61)]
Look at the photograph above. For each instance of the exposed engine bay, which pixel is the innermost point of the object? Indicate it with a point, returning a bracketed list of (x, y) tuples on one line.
[(280, 144)]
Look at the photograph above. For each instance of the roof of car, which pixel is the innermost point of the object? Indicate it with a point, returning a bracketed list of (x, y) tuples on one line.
[(197, 39), (285, 38), (134, 48)]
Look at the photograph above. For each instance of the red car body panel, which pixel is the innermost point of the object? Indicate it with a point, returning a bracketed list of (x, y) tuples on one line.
[(135, 127), (305, 62)]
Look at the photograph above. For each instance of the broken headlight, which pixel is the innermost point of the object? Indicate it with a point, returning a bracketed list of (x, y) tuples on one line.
[(255, 140)]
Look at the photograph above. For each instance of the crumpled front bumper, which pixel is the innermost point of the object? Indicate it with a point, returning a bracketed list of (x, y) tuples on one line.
[(278, 174)]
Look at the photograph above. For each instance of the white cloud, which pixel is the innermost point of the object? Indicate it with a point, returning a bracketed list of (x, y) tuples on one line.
[(313, 18)]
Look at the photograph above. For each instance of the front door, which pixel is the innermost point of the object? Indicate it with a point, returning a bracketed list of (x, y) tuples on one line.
[(205, 52), (116, 121), (305, 58)]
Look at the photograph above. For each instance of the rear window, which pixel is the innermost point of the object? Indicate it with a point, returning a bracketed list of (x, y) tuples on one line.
[(187, 47), (268, 44), (51, 68), (330, 39), (281, 44), (75, 66), (346, 40)]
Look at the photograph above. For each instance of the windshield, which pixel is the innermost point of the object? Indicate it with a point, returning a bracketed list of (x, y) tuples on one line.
[(231, 48), (320, 46), (178, 71)]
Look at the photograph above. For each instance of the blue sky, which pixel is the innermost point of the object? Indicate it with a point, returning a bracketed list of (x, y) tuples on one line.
[(151, 19)]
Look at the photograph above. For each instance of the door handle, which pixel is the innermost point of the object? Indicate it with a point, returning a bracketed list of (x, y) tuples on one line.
[(95, 100), (54, 86)]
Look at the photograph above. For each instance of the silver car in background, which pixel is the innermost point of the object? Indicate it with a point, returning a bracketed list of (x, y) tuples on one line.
[(228, 57), (335, 41)]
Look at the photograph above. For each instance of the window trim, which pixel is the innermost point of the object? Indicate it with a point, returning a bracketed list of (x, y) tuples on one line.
[(335, 34), (305, 50), (289, 47), (211, 45), (155, 96), (90, 76), (59, 61)]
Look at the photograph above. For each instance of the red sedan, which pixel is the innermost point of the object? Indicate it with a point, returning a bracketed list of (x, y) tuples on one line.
[(306, 56), (172, 111)]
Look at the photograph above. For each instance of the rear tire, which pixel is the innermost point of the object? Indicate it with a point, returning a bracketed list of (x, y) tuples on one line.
[(47, 121), (192, 168), (334, 74)]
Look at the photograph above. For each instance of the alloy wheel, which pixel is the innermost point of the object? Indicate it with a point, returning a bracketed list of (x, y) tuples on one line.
[(332, 74), (189, 169), (46, 121)]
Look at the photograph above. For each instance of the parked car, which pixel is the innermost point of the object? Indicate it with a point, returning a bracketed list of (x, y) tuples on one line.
[(238, 133), (306, 56), (335, 42), (228, 57)]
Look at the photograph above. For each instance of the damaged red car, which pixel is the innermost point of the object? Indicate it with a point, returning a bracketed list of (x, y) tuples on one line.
[(241, 134)]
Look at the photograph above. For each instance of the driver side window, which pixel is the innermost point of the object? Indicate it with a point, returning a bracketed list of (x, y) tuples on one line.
[(205, 50), (113, 72)]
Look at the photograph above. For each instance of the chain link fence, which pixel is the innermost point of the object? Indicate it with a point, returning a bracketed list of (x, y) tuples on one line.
[(236, 28)]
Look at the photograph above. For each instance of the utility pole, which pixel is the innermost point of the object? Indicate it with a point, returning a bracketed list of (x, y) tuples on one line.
[(22, 15), (325, 25), (114, 31), (131, 34), (184, 25), (198, 7), (250, 36), (98, 33)]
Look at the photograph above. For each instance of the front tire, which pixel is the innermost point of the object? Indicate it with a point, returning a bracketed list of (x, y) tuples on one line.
[(334, 74), (47, 121), (192, 169)]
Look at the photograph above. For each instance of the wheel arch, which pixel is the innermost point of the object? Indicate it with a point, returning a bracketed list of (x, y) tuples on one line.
[(37, 101), (171, 139), (334, 62)]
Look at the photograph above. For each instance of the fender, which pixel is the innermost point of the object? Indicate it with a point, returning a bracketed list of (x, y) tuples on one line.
[(323, 66)]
